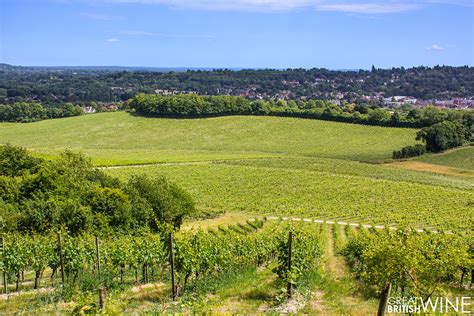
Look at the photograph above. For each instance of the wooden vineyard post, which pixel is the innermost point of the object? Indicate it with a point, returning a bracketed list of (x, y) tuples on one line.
[(196, 246), (61, 256), (5, 285), (102, 290), (472, 277), (290, 239), (102, 298), (173, 288), (383, 300), (97, 254)]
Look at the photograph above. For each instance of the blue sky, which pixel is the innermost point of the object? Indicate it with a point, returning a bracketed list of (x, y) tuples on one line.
[(335, 34)]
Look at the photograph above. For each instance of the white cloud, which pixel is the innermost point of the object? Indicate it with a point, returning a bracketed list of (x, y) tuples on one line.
[(436, 47), (228, 5), (112, 40), (348, 6), (467, 3), (368, 8)]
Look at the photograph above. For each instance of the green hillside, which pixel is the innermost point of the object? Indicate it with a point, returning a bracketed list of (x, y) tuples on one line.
[(266, 165), (247, 167), (267, 189), (120, 138), (462, 158)]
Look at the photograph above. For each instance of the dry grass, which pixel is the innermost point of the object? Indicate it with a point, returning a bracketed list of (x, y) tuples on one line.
[(224, 219), (427, 167)]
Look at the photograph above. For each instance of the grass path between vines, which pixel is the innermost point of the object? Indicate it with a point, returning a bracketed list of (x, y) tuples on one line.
[(337, 289), (248, 292), (332, 290)]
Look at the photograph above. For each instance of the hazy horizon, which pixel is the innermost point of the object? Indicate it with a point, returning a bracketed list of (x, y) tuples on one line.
[(214, 68)]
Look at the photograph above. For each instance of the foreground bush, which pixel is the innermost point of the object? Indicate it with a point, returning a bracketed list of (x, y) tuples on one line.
[(39, 195)]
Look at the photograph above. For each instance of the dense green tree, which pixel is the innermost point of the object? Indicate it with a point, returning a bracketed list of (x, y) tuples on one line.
[(25, 112), (112, 85), (379, 115), (112, 204), (442, 136), (362, 108), (169, 202), (39, 195), (433, 115), (409, 151), (396, 118)]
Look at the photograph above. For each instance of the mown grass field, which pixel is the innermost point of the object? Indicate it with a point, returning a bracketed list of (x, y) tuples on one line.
[(267, 165), (120, 138), (462, 158)]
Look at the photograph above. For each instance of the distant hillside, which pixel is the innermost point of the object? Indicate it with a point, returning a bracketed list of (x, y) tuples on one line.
[(92, 69), (116, 83)]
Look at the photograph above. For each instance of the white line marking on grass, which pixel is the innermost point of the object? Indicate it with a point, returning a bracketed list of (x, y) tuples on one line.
[(330, 222)]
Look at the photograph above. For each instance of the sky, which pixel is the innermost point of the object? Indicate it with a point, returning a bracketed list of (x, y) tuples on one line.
[(333, 34)]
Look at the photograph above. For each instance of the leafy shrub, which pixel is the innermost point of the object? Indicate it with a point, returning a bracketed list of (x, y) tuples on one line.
[(409, 151), (39, 196), (444, 135)]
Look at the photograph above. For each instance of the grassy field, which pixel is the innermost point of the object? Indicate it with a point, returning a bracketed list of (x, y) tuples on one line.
[(462, 158), (268, 165), (120, 138)]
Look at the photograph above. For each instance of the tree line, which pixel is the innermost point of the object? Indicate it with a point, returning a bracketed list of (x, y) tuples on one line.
[(25, 112), (52, 86), (439, 137), (40, 195), (440, 129), (192, 105)]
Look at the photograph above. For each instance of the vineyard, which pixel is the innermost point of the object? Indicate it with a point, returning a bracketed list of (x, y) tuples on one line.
[(459, 158), (91, 263), (251, 164), (62, 264), (234, 253), (295, 187)]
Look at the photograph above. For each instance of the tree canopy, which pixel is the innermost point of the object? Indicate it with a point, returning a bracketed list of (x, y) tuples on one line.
[(38, 195), (444, 135)]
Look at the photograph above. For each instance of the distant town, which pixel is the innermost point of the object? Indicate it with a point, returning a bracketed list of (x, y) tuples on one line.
[(441, 86), (337, 98)]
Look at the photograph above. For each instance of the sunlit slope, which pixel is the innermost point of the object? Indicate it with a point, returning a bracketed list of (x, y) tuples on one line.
[(462, 158), (267, 188), (266, 165), (120, 138)]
